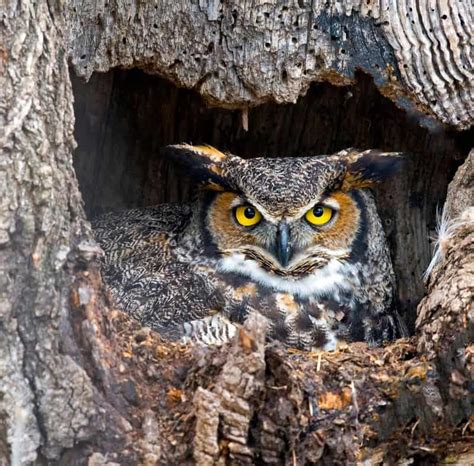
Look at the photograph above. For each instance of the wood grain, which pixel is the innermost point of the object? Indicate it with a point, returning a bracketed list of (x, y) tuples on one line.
[(241, 54)]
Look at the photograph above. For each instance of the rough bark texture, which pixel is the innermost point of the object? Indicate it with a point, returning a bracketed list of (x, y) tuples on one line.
[(41, 219), (239, 54), (445, 319), (82, 384), (461, 190), (52, 394)]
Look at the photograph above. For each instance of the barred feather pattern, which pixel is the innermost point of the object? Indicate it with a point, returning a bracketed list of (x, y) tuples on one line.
[(176, 269)]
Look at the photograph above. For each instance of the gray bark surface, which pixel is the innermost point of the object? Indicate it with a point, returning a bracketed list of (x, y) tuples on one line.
[(239, 54), (48, 346), (38, 189), (81, 383), (461, 190)]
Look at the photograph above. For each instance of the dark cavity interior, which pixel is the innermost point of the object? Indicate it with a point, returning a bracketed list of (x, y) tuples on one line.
[(124, 117)]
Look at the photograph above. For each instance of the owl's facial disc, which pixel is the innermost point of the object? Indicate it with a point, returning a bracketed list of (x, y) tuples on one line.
[(286, 246)]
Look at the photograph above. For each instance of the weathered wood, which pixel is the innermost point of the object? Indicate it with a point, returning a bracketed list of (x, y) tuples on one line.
[(461, 190), (52, 393), (253, 402), (239, 54), (445, 321)]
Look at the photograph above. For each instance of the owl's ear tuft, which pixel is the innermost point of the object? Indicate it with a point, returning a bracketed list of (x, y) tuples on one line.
[(204, 163), (367, 168)]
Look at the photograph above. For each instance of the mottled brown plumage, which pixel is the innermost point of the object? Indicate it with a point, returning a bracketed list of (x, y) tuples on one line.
[(296, 239)]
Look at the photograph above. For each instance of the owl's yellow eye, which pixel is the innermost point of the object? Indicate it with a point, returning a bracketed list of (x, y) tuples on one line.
[(247, 216), (319, 215)]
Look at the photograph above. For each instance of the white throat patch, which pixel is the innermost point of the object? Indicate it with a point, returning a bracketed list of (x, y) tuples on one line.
[(334, 276)]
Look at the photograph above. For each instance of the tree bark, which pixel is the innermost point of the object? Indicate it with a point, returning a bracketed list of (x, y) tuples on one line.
[(240, 54), (55, 386), (80, 383)]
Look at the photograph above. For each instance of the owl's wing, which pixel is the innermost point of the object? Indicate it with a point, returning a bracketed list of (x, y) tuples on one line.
[(144, 274), (127, 233), (161, 295)]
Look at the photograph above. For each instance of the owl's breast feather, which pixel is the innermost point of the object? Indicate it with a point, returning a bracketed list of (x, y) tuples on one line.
[(336, 275)]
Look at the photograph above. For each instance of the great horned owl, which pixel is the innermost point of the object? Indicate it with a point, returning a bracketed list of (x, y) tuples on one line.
[(297, 239)]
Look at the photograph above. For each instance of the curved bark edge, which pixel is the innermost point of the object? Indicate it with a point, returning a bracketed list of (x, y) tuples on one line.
[(238, 56)]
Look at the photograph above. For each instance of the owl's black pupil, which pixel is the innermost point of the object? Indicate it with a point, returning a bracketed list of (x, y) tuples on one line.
[(318, 211), (249, 212)]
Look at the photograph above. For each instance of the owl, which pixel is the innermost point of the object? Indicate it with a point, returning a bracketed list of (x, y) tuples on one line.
[(297, 239)]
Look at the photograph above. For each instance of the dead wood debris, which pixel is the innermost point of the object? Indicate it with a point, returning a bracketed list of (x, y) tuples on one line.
[(252, 402), (257, 402)]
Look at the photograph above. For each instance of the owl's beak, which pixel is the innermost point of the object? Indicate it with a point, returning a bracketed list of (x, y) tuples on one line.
[(283, 243)]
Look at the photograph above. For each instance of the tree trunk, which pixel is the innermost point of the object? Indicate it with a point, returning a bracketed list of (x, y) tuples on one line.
[(56, 391), (80, 383)]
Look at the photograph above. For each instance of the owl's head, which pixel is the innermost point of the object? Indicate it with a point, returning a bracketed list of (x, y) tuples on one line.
[(282, 216)]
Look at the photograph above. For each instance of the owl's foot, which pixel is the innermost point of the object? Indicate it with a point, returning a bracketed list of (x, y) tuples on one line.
[(215, 330)]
